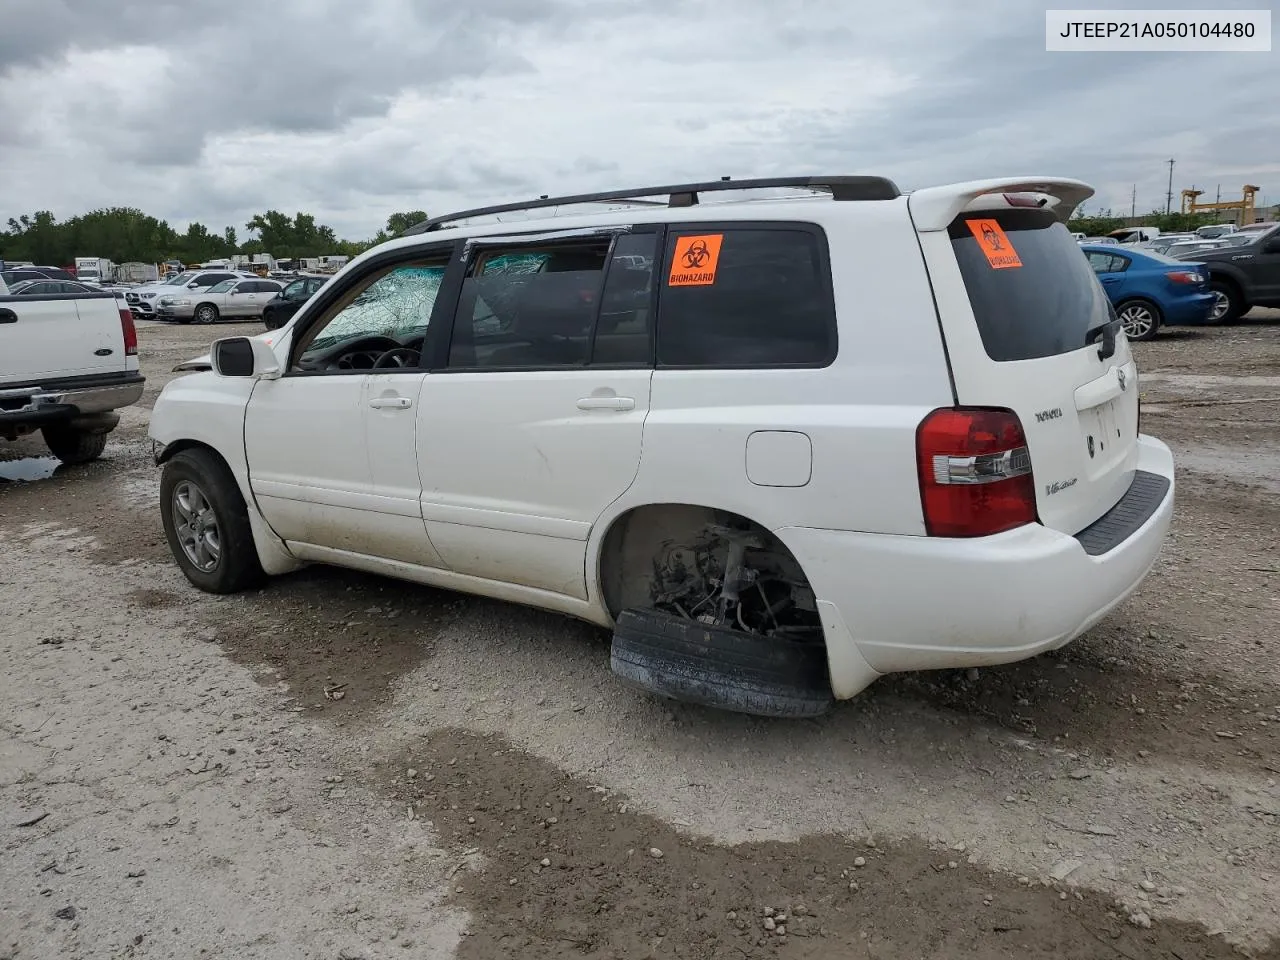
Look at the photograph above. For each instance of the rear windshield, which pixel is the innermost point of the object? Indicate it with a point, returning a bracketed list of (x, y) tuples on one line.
[(1033, 292)]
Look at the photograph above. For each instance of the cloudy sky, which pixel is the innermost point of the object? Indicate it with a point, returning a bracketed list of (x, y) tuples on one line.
[(352, 110)]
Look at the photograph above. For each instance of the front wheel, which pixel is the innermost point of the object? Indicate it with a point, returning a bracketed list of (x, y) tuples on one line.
[(1228, 305), (1140, 319), (207, 524), (73, 446), (206, 313)]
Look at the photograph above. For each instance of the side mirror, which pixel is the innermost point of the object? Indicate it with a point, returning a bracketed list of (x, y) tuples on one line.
[(245, 357), (193, 285)]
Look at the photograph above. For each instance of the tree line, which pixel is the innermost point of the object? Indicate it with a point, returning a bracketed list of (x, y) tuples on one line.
[(126, 234), (1102, 223)]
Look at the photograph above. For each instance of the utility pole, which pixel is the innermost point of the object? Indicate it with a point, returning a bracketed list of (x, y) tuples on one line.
[(1133, 202), (1168, 200), (1218, 199)]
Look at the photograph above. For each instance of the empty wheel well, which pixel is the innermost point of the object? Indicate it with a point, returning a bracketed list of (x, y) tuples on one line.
[(701, 562)]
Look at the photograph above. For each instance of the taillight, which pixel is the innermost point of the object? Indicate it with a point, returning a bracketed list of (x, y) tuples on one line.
[(975, 472), (1185, 276), (130, 332)]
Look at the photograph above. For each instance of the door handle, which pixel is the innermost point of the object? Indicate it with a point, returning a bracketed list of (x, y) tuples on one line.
[(607, 403), (8, 316), (1110, 279), (391, 403)]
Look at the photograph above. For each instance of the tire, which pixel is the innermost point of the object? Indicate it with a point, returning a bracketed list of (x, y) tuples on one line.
[(1229, 305), (717, 667), (268, 319), (207, 524), (74, 446), (206, 313), (1141, 319)]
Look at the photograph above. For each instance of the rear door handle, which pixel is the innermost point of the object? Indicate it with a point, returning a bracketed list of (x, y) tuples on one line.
[(607, 403), (391, 403), (8, 316)]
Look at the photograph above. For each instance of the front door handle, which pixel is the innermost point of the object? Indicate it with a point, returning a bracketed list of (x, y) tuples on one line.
[(607, 403), (8, 316), (391, 403)]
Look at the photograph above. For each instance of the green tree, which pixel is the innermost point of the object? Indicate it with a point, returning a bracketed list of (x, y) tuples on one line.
[(398, 223)]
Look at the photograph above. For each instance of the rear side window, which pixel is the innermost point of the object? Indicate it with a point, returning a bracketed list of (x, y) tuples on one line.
[(746, 297), (1032, 293), (529, 307)]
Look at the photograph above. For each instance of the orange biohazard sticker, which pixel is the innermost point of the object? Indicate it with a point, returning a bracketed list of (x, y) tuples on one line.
[(995, 244), (695, 260)]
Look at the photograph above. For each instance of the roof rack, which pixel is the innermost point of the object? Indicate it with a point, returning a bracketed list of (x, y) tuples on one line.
[(683, 195)]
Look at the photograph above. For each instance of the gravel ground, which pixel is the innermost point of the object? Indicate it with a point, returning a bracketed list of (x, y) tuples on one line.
[(340, 765)]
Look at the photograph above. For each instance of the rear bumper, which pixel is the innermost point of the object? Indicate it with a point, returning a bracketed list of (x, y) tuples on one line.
[(1189, 309), (895, 603), (48, 403)]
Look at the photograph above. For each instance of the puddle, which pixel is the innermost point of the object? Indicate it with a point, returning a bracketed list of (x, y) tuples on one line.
[(28, 469), (1258, 465)]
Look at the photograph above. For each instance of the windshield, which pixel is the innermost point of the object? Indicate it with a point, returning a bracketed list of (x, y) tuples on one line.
[(180, 279), (1238, 239), (222, 287)]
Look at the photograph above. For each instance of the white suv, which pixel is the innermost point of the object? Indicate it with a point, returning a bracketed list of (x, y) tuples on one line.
[(780, 446)]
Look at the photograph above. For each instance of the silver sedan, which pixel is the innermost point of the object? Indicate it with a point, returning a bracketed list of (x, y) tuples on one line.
[(230, 298)]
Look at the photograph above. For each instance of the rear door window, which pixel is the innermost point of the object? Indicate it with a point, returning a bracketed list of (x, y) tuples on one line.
[(1032, 293), (529, 308), (746, 296)]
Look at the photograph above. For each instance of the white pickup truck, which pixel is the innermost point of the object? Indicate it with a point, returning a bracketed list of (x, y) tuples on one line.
[(67, 363)]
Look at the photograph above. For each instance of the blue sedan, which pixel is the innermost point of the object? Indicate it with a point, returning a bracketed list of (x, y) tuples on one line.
[(1149, 289)]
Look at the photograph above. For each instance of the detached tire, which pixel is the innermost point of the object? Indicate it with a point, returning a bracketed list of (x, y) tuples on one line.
[(74, 446), (207, 524), (717, 667)]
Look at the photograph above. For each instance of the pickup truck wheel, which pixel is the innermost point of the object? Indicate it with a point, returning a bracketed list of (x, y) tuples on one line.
[(206, 313), (1228, 305), (207, 524), (719, 667), (71, 445)]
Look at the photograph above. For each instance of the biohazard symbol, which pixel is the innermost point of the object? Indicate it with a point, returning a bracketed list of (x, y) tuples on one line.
[(995, 244), (697, 254), (694, 261)]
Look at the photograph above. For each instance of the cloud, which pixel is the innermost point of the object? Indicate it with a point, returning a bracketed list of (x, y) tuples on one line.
[(353, 111)]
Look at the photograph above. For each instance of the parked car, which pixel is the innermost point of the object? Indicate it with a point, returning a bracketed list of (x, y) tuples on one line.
[(16, 275), (68, 361), (236, 298), (44, 288), (1107, 240), (1150, 290), (753, 478), (1243, 275), (296, 292), (1193, 246), (1162, 243), (143, 300)]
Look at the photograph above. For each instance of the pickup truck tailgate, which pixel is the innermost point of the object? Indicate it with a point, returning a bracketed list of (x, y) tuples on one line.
[(70, 335)]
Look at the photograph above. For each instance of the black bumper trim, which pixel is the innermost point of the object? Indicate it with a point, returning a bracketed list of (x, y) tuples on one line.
[(1136, 507)]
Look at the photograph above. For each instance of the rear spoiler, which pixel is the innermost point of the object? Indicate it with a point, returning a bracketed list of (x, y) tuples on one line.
[(933, 208)]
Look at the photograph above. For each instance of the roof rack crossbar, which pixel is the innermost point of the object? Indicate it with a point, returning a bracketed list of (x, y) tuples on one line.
[(683, 195)]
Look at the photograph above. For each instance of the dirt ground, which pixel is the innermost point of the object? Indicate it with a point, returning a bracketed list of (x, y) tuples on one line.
[(345, 766)]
